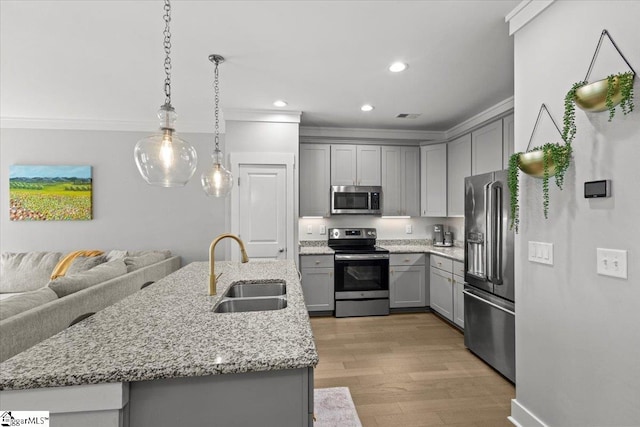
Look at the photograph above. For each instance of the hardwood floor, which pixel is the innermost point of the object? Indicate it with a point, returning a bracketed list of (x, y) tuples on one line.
[(409, 370)]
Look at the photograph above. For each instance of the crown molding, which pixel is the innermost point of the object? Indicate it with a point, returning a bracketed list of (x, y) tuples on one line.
[(501, 109), (272, 116), (322, 134), (524, 13), (106, 125)]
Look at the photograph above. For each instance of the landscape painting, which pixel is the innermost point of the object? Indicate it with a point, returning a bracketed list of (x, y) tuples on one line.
[(50, 193)]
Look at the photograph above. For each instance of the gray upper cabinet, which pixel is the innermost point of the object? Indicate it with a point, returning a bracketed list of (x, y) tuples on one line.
[(458, 167), (433, 180), (355, 165), (314, 179), (508, 143), (486, 148), (400, 180), (368, 165)]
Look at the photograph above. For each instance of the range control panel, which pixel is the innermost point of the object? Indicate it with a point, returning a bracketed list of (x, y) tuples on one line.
[(352, 233)]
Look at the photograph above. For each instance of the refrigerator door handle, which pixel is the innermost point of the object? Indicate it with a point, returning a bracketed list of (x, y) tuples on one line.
[(488, 219), (488, 302), (496, 244)]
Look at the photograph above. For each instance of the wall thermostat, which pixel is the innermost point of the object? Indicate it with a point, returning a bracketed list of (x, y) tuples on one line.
[(593, 189)]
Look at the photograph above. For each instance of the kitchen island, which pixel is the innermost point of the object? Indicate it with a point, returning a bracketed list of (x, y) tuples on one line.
[(163, 356)]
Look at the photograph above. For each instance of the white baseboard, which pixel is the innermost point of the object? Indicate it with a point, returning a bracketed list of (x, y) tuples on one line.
[(522, 417)]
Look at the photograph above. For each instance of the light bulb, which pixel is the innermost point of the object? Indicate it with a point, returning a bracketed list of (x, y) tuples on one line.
[(217, 181), (164, 159)]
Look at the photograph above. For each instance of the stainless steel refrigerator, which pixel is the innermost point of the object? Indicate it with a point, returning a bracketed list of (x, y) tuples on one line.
[(489, 306)]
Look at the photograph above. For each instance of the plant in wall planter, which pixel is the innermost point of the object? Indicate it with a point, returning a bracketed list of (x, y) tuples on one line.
[(549, 160)]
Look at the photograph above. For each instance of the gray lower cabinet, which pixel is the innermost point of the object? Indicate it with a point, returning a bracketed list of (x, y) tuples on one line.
[(407, 281), (317, 282), (446, 283)]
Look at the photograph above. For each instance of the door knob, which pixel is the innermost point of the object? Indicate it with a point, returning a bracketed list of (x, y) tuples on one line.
[(281, 250)]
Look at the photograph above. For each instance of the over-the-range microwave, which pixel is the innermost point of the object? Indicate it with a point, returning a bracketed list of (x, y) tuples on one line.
[(356, 199)]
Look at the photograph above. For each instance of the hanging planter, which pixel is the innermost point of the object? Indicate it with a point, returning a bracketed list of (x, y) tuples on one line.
[(549, 160), (602, 95)]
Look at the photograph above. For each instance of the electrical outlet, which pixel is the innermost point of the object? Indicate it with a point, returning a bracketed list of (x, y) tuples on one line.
[(612, 262), (541, 252), (323, 229), (409, 229), (309, 229)]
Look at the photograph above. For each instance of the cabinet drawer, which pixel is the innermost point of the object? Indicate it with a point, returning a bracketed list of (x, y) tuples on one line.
[(442, 263), (307, 261), (406, 259), (458, 268)]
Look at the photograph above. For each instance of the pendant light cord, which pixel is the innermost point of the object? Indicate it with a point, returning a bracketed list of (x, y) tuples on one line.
[(167, 51), (216, 91)]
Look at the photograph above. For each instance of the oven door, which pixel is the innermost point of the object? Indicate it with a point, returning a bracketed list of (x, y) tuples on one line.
[(359, 276)]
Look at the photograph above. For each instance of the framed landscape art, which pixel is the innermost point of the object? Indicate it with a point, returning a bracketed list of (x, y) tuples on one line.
[(50, 193)]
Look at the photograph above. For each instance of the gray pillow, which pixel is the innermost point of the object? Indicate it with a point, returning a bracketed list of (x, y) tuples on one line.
[(23, 272), (137, 262), (67, 285), (116, 254), (84, 263), (25, 301)]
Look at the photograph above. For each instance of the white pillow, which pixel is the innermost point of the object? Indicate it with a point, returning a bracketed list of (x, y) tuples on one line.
[(23, 272)]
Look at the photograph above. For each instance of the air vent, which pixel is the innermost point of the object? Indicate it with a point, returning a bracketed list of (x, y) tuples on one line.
[(408, 116)]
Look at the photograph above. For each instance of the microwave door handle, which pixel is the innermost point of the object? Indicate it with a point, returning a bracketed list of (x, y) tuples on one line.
[(488, 220)]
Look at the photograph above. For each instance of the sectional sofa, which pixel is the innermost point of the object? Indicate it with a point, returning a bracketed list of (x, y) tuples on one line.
[(33, 312)]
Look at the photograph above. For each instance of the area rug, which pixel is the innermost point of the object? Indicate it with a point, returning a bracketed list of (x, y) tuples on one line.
[(334, 407)]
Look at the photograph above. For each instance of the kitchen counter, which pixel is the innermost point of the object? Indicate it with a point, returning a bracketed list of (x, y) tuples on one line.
[(168, 330), (394, 246)]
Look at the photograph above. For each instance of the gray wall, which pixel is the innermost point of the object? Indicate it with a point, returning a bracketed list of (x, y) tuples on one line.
[(577, 332), (128, 213)]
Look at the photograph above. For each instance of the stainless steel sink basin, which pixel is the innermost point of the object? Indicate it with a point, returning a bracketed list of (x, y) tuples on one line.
[(251, 304), (256, 289)]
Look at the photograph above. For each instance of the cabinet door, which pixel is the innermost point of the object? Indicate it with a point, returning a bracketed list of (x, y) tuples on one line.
[(458, 168), (486, 148), (410, 176), (317, 287), (458, 301), (368, 165), (441, 294), (392, 181), (508, 140), (315, 179), (343, 165), (406, 286), (433, 181)]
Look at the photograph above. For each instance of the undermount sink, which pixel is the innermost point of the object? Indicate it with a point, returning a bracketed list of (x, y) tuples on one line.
[(256, 289), (239, 305)]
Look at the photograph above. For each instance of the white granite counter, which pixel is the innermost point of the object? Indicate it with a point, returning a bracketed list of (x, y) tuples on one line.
[(394, 246), (168, 330)]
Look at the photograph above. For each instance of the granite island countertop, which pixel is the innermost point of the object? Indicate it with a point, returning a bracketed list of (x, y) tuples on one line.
[(169, 330), (319, 247)]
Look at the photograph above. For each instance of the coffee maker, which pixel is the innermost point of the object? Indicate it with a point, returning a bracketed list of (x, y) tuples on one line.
[(438, 235)]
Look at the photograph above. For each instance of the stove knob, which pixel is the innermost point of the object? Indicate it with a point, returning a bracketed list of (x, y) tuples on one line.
[(336, 234)]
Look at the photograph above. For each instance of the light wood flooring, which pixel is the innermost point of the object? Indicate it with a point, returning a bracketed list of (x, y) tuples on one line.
[(409, 370)]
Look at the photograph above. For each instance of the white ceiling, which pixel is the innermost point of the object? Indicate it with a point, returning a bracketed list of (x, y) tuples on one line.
[(103, 60)]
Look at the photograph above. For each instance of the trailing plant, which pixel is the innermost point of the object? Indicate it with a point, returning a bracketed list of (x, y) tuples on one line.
[(625, 80), (569, 119), (514, 188), (553, 154)]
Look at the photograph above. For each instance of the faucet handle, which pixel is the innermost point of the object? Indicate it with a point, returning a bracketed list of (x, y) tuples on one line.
[(218, 276)]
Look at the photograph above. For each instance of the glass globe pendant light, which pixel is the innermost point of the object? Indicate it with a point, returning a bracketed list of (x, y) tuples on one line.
[(217, 180), (164, 159)]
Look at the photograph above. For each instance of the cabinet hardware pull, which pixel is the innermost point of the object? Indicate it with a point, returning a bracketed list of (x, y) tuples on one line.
[(317, 262)]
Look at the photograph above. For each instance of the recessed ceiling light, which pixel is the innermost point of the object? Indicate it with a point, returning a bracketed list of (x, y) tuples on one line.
[(396, 67), (367, 107), (280, 103)]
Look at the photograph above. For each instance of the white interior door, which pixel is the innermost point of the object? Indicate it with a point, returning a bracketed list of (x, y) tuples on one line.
[(263, 205), (262, 215)]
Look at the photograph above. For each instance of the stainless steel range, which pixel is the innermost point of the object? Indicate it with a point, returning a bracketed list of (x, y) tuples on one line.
[(361, 272)]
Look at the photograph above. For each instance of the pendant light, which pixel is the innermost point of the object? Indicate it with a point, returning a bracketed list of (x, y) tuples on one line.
[(164, 159), (217, 180)]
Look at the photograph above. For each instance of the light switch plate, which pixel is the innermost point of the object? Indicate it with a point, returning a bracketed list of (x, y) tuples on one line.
[(541, 252), (612, 262), (323, 229), (409, 229), (309, 229)]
